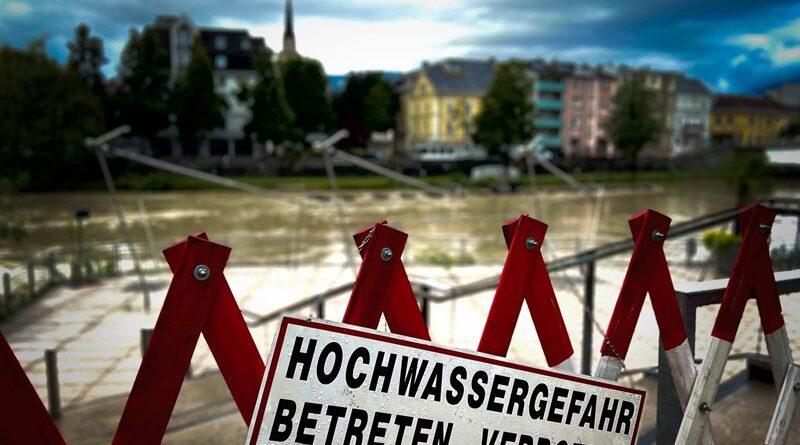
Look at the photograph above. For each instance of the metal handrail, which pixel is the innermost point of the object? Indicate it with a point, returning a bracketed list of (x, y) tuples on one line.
[(431, 292)]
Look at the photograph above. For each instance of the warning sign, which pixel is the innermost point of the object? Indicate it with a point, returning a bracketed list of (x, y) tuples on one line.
[(329, 383)]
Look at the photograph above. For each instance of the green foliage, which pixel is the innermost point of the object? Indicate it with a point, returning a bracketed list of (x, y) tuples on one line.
[(272, 119), (306, 88), (747, 173), (507, 111), (140, 100), (720, 241), (197, 106), (45, 114), (632, 122), (368, 103), (86, 57)]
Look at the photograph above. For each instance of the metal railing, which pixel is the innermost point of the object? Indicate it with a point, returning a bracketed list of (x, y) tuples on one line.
[(428, 293), (691, 296)]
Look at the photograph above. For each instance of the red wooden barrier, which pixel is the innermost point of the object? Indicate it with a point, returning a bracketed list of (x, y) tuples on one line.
[(382, 285), (525, 277), (752, 276), (23, 418), (198, 300), (647, 272)]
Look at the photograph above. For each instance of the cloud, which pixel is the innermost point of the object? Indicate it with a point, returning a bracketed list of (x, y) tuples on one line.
[(17, 8), (781, 45), (738, 60), (684, 35)]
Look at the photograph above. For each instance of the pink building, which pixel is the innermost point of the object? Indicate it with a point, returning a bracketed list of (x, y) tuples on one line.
[(588, 95)]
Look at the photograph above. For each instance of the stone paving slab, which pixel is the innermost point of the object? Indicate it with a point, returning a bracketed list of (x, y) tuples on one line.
[(96, 328)]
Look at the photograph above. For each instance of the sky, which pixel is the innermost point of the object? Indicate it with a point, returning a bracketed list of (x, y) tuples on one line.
[(738, 46)]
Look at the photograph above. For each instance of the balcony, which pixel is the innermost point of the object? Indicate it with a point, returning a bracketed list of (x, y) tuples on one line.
[(547, 122), (549, 86), (551, 141), (549, 104)]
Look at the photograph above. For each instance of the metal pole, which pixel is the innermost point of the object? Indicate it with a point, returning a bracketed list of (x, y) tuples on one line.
[(31, 279), (586, 356), (148, 231), (7, 292), (144, 339), (52, 272), (321, 308), (112, 191), (79, 241), (426, 310), (53, 389), (348, 250)]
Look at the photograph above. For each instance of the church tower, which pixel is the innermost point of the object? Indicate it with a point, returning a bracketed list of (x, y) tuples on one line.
[(289, 50)]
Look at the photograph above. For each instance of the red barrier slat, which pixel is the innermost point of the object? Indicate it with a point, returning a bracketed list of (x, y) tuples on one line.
[(525, 277), (183, 316), (230, 342), (400, 309), (647, 272), (752, 273), (23, 418)]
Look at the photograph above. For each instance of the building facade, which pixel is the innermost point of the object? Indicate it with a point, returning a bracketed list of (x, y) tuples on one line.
[(589, 92), (788, 94), (549, 99), (690, 130), (744, 121), (439, 102), (231, 52)]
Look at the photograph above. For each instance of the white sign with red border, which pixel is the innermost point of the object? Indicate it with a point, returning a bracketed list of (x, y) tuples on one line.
[(330, 383)]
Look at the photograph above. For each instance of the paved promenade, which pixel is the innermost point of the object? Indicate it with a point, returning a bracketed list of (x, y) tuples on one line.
[(96, 331)]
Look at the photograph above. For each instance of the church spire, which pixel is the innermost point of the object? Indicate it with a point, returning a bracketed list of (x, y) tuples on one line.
[(288, 30), (289, 48)]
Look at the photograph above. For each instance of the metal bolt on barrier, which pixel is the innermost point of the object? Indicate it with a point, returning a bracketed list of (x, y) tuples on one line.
[(386, 254), (202, 272), (796, 387), (531, 243), (764, 228), (704, 407), (657, 235)]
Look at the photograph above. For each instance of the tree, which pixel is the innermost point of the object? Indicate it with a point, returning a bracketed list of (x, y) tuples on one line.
[(140, 99), (747, 173), (367, 104), (85, 59), (632, 122), (45, 114), (271, 118), (198, 108), (507, 111), (306, 86)]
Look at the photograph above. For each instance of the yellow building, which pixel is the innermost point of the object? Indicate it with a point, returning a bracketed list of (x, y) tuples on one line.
[(439, 102), (744, 121)]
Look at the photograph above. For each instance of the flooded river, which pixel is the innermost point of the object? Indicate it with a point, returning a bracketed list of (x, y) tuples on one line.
[(266, 230)]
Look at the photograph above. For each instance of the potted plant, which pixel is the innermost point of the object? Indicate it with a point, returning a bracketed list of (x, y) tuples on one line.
[(723, 246)]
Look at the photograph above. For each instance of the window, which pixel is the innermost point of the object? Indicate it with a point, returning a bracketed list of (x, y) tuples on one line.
[(184, 38), (449, 128), (604, 104), (467, 109), (575, 122), (220, 62), (183, 58), (220, 42), (245, 44), (605, 85)]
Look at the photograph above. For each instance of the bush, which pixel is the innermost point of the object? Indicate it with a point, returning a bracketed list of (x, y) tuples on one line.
[(720, 241)]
